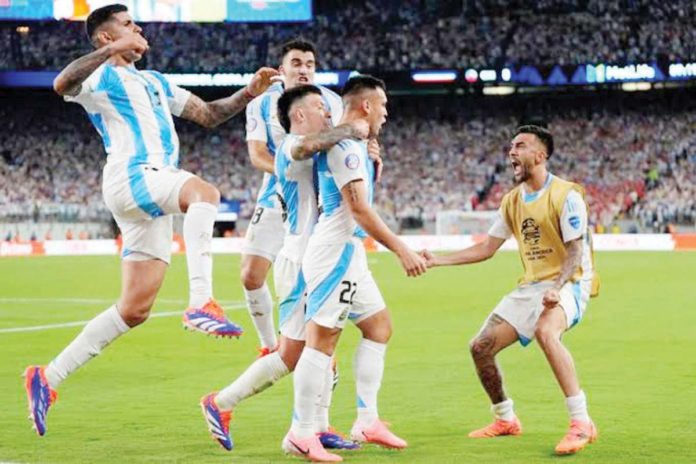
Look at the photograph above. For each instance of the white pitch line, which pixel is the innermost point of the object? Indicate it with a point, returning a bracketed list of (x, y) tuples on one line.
[(35, 328)]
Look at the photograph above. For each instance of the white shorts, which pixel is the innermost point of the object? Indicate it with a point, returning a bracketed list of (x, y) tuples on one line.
[(142, 199), (523, 306), (265, 234), (290, 288), (339, 284)]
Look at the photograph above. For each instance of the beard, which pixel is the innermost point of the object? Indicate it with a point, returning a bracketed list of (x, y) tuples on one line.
[(523, 176)]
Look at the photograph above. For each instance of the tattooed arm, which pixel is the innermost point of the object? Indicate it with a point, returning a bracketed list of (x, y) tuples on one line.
[(310, 144), (355, 196), (70, 79), (211, 114), (552, 296), (571, 263)]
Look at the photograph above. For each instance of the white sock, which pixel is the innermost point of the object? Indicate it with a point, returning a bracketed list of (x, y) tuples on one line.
[(368, 365), (198, 236), (260, 305), (577, 407), (321, 420), (309, 381), (262, 373), (95, 336), (504, 410)]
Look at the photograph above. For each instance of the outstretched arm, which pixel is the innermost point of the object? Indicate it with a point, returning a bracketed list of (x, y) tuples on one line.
[(474, 254), (211, 114), (353, 193), (310, 144)]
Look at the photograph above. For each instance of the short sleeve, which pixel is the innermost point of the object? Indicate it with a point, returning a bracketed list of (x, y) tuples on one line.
[(177, 101), (176, 96), (255, 127), (88, 87), (346, 163), (573, 217), (500, 229)]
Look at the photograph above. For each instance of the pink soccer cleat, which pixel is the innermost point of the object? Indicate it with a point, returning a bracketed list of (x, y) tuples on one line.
[(498, 428), (308, 448), (377, 433)]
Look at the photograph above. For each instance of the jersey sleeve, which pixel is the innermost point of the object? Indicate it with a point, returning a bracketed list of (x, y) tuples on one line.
[(255, 127), (573, 217), (346, 163), (177, 98), (500, 229), (87, 88)]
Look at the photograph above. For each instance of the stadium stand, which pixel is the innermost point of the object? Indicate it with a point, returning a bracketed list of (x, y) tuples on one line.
[(397, 35), (639, 163)]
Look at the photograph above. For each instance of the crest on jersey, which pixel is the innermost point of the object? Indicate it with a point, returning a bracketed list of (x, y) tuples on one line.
[(251, 124), (530, 232), (574, 222), (352, 161)]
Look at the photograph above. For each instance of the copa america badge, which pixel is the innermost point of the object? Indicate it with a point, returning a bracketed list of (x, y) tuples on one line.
[(251, 124), (352, 161)]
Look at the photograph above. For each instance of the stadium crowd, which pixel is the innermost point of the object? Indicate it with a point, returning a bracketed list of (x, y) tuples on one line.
[(637, 164), (392, 35)]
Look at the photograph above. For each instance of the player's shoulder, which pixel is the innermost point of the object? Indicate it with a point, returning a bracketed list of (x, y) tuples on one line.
[(347, 146), (267, 98), (327, 92)]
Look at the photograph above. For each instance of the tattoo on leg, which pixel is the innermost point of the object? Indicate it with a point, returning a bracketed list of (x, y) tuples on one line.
[(487, 369)]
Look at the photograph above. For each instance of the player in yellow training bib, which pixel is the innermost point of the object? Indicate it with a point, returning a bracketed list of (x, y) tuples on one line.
[(548, 217)]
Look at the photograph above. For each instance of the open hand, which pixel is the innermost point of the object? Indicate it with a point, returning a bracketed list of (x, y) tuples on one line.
[(263, 78)]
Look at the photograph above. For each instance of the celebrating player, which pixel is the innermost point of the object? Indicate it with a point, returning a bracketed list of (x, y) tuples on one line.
[(302, 114), (142, 187), (339, 283), (264, 134), (548, 217)]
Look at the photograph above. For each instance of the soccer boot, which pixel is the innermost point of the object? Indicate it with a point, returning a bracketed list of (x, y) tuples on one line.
[(218, 421), (211, 320), (308, 448), (579, 435), (498, 428), (40, 395), (332, 439), (377, 433)]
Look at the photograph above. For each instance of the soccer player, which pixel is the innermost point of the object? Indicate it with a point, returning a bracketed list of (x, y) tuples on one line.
[(142, 186), (264, 134), (548, 217), (339, 283), (304, 117)]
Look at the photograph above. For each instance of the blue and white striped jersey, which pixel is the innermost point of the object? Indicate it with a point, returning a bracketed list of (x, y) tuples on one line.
[(132, 111), (296, 186), (345, 162), (263, 126)]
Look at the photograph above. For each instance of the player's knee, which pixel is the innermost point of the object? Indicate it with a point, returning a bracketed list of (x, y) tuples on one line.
[(251, 278), (545, 334), (378, 333), (135, 314), (480, 347)]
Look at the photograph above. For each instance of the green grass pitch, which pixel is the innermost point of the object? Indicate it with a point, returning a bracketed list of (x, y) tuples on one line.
[(138, 402)]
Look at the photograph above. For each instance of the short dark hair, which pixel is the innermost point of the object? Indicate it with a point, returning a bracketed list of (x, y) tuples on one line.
[(542, 133), (100, 16), (361, 82), (289, 97), (298, 44)]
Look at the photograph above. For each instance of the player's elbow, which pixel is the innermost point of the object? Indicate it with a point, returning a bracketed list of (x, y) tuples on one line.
[(60, 86)]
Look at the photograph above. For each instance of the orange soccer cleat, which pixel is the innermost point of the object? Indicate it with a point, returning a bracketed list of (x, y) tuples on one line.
[(579, 435), (498, 428)]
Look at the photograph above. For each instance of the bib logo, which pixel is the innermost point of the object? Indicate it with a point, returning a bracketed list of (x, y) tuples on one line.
[(530, 232)]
